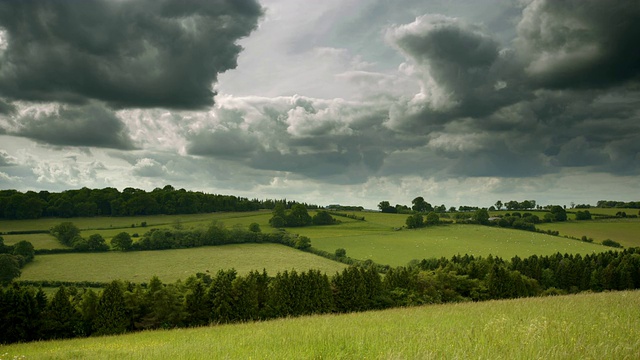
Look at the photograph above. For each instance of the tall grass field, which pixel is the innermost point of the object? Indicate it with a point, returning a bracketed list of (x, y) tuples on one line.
[(585, 326)]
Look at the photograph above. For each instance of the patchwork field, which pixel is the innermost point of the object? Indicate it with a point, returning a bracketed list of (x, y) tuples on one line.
[(585, 326), (379, 238), (171, 265), (624, 231), (399, 247), (110, 226)]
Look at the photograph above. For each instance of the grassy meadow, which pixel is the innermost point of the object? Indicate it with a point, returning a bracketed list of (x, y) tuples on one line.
[(624, 231), (585, 326), (377, 238), (171, 265), (108, 227), (399, 247)]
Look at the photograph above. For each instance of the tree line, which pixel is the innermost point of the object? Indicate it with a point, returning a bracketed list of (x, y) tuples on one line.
[(128, 202), (27, 314), (299, 216), (161, 239)]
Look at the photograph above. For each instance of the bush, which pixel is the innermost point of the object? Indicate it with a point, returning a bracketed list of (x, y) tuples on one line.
[(415, 221), (254, 227), (611, 243), (586, 239), (323, 218), (583, 215)]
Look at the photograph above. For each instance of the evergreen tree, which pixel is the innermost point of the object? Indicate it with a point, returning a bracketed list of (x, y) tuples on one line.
[(111, 317), (244, 290), (62, 319), (89, 311), (196, 307), (221, 296)]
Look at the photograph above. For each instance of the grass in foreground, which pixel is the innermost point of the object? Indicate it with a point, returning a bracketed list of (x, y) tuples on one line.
[(171, 265), (586, 326)]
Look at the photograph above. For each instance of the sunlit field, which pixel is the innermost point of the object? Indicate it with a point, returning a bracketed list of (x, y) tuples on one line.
[(585, 326), (110, 226), (624, 231), (171, 265), (39, 241), (400, 247), (380, 238)]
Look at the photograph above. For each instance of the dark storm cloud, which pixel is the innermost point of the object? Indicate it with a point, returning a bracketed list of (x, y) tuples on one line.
[(135, 53), (580, 43), (90, 125), (224, 143), (494, 111), (463, 72), (6, 108)]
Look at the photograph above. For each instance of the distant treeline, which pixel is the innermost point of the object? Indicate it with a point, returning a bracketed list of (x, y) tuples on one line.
[(130, 202), (27, 314), (618, 204)]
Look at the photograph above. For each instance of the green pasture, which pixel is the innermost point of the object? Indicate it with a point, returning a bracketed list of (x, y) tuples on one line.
[(108, 227), (39, 241), (135, 222), (397, 248), (171, 265), (585, 326), (609, 211), (380, 238), (624, 231)]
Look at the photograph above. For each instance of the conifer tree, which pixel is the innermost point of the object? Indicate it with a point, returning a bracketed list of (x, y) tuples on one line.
[(196, 307), (62, 319), (111, 317)]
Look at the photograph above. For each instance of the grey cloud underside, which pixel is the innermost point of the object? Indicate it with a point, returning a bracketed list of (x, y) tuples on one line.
[(6, 108), (145, 53), (90, 126), (562, 95), (482, 111), (580, 43)]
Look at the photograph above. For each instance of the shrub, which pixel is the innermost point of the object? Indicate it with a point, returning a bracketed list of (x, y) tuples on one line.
[(586, 239), (323, 218), (254, 227), (611, 243), (583, 215)]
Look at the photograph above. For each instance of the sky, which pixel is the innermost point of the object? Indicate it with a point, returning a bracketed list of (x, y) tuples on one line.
[(346, 102)]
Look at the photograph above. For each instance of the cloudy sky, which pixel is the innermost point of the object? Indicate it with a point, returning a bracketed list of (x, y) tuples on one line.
[(335, 101)]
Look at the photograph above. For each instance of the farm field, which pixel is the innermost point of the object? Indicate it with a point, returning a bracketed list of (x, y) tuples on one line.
[(397, 248), (624, 231), (585, 326), (39, 241), (171, 265), (128, 221), (377, 238), (110, 226), (609, 211)]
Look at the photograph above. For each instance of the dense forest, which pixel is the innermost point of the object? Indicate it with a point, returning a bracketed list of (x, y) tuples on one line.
[(130, 202), (27, 313)]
